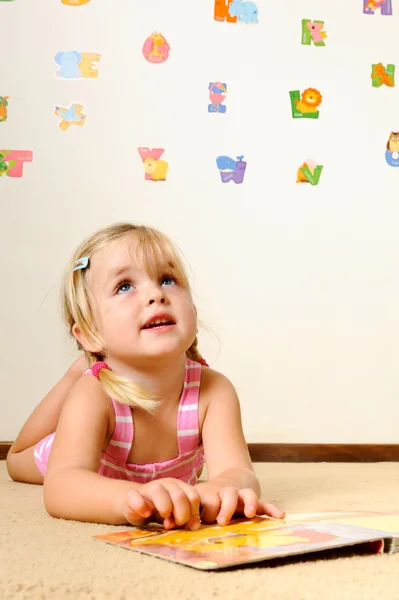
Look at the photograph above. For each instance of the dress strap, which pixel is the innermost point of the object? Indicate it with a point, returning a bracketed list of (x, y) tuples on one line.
[(122, 436), (188, 417)]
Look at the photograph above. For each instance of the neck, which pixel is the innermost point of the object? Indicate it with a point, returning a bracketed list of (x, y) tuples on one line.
[(162, 378)]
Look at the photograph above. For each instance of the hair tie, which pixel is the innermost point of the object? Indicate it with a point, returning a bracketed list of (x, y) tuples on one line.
[(96, 368), (203, 362)]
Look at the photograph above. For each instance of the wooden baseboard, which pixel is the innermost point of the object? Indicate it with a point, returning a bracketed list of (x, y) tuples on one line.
[(303, 453), (4, 448)]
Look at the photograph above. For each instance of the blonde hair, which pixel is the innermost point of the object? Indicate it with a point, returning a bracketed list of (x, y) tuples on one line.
[(78, 302)]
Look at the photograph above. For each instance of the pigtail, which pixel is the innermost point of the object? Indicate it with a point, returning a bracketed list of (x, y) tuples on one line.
[(126, 391), (194, 354)]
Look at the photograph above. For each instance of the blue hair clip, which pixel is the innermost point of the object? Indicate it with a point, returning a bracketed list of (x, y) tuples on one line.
[(81, 263)]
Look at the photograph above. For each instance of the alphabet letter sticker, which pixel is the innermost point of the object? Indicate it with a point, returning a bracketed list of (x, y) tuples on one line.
[(305, 105), (236, 11), (156, 48), (75, 2), (392, 151), (154, 169), (12, 162), (217, 94), (309, 172), (77, 65), (370, 6), (70, 116), (230, 169), (313, 31), (3, 108), (382, 76)]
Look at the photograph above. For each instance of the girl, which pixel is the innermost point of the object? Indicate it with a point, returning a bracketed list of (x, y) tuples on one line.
[(133, 433)]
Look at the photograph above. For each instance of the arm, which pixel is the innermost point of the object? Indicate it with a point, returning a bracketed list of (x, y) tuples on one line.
[(73, 489), (44, 418), (232, 485)]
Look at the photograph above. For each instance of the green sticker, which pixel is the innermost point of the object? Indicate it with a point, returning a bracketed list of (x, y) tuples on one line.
[(382, 76), (309, 172), (313, 31), (305, 105)]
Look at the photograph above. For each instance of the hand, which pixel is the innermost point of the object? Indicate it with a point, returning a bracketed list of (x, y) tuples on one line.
[(168, 501), (220, 503)]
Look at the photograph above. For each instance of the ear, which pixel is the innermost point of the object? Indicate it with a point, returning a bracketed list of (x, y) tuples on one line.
[(58, 57), (86, 343)]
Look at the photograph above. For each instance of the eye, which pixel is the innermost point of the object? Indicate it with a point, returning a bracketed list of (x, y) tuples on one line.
[(123, 287), (168, 280)]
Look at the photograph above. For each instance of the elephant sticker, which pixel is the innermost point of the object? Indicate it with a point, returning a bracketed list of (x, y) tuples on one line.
[(236, 11), (77, 65)]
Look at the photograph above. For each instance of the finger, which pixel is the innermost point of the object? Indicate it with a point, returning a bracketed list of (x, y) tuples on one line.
[(181, 504), (160, 498), (248, 501), (194, 500), (138, 505), (229, 496), (169, 522), (134, 519), (211, 503), (265, 508)]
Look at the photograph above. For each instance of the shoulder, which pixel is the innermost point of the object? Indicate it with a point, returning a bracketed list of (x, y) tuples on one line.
[(216, 388), (89, 397), (212, 380)]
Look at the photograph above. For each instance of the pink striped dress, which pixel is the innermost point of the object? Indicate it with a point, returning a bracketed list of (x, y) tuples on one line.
[(113, 462)]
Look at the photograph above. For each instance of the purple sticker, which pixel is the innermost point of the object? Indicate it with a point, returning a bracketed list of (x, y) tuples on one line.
[(230, 169)]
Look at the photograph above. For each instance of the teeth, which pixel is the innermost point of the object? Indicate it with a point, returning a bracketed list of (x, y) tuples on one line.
[(158, 322)]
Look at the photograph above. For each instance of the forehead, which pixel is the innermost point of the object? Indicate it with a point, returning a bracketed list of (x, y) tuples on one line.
[(127, 252), (120, 252)]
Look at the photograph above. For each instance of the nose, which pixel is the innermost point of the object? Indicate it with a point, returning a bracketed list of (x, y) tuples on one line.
[(153, 300), (156, 295)]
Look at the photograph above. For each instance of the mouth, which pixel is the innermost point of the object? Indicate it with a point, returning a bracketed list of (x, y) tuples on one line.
[(159, 322)]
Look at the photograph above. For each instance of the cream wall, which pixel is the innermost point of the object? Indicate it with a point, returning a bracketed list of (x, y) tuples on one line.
[(299, 282)]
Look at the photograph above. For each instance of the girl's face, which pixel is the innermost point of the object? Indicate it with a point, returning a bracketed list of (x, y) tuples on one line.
[(137, 316)]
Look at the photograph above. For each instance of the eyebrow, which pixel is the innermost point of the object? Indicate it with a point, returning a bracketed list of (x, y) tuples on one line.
[(117, 272), (124, 269)]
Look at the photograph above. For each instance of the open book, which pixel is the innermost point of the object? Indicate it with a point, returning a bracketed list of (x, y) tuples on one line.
[(243, 541)]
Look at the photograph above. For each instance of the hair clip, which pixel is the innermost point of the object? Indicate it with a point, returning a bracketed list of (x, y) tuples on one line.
[(81, 263)]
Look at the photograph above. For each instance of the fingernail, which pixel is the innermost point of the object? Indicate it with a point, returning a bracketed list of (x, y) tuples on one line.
[(195, 525)]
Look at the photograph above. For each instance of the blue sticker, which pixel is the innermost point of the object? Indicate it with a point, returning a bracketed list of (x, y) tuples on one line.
[(230, 169), (392, 151), (217, 94)]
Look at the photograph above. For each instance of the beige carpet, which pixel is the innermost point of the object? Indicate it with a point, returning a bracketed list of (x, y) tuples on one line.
[(42, 557)]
